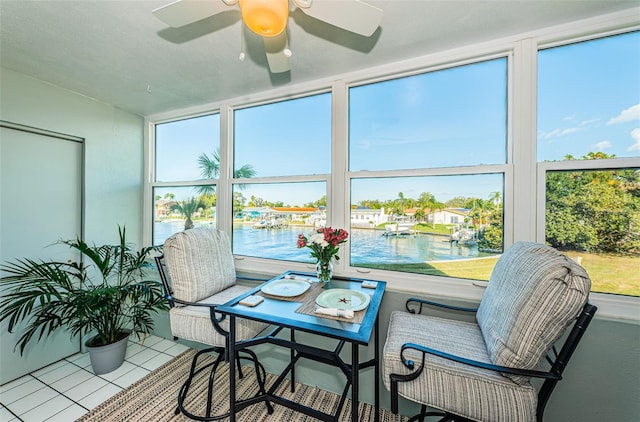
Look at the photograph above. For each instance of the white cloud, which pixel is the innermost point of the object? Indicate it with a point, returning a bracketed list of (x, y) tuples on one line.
[(589, 122), (602, 145), (568, 130), (628, 115), (635, 134), (556, 133)]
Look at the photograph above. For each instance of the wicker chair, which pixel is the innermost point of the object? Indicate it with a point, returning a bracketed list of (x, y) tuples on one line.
[(201, 275), (481, 370)]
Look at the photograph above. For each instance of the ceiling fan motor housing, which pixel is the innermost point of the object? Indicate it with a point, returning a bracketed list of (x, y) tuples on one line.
[(267, 18)]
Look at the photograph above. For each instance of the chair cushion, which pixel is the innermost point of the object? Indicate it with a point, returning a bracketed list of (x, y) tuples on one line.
[(533, 294), (200, 263), (474, 393), (194, 322)]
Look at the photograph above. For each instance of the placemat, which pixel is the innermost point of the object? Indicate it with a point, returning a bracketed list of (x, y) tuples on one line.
[(308, 307)]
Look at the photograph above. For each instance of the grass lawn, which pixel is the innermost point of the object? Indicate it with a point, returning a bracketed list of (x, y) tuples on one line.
[(608, 273), (612, 273)]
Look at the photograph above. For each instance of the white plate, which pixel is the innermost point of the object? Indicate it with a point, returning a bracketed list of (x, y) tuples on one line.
[(343, 299), (286, 287)]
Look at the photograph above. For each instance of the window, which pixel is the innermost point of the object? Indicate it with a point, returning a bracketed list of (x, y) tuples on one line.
[(284, 148), (431, 172), (286, 138), (447, 118), (187, 162), (589, 157), (268, 218), (443, 135)]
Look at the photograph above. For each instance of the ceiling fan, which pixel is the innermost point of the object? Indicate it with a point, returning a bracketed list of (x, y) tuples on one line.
[(268, 18)]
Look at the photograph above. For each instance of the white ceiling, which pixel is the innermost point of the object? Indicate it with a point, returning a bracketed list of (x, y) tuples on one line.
[(117, 52)]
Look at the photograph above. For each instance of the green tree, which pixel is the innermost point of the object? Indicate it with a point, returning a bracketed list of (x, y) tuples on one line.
[(491, 236), (187, 208), (481, 211), (594, 210), (322, 202), (457, 202), (208, 201), (373, 204), (428, 201), (238, 202), (255, 201)]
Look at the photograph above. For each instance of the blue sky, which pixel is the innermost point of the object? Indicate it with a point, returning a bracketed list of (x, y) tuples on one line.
[(588, 101), (577, 113)]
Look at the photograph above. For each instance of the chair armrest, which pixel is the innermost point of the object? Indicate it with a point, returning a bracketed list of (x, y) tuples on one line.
[(423, 302), (503, 369)]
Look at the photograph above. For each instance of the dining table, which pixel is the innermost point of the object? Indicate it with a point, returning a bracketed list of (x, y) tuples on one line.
[(345, 311)]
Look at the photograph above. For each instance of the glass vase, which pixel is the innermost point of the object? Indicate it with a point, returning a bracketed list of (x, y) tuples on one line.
[(324, 271)]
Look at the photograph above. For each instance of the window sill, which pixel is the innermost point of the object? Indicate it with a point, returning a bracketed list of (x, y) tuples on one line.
[(610, 307)]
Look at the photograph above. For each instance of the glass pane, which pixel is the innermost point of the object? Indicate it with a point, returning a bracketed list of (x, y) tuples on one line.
[(589, 99), (176, 208), (438, 225), (285, 138), (594, 217), (452, 117), (269, 217), (180, 145)]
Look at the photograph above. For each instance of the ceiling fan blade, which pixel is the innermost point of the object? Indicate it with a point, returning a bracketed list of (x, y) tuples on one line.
[(184, 12), (353, 15), (278, 53)]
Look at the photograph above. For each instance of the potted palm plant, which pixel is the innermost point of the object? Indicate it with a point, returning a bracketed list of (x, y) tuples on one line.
[(104, 294)]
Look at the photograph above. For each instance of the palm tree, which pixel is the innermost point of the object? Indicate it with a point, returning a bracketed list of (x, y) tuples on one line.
[(210, 169), (429, 201), (401, 199), (481, 210), (187, 208), (496, 198)]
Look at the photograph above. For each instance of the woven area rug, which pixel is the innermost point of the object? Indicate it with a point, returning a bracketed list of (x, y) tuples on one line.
[(154, 398)]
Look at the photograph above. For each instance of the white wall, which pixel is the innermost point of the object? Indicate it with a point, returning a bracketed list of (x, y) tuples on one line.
[(112, 174), (113, 148)]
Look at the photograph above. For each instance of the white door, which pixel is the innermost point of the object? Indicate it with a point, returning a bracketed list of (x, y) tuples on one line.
[(40, 203)]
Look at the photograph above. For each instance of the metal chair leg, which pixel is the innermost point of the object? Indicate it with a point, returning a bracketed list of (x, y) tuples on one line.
[(184, 390)]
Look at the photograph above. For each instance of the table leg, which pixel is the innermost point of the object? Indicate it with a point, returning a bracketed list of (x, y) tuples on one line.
[(377, 370), (355, 373), (232, 368), (291, 357)]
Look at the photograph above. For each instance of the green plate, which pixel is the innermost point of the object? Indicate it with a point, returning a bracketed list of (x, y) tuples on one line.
[(286, 288), (343, 299)]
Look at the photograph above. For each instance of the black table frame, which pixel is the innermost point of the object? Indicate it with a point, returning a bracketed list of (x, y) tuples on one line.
[(354, 337)]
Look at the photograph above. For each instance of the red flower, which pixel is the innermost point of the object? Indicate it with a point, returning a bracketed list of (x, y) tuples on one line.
[(324, 251)]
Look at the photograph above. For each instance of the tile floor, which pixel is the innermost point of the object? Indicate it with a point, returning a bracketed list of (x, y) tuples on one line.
[(65, 390)]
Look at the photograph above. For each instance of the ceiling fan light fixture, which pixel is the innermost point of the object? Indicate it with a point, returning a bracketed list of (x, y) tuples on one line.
[(266, 18)]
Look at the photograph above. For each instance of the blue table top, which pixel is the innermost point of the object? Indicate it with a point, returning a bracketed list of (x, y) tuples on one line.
[(283, 312)]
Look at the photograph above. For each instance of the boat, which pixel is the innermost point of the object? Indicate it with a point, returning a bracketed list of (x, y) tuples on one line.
[(399, 229), (464, 236)]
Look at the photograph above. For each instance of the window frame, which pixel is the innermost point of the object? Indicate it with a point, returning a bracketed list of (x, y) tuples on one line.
[(150, 184), (617, 307), (625, 307), (522, 199)]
